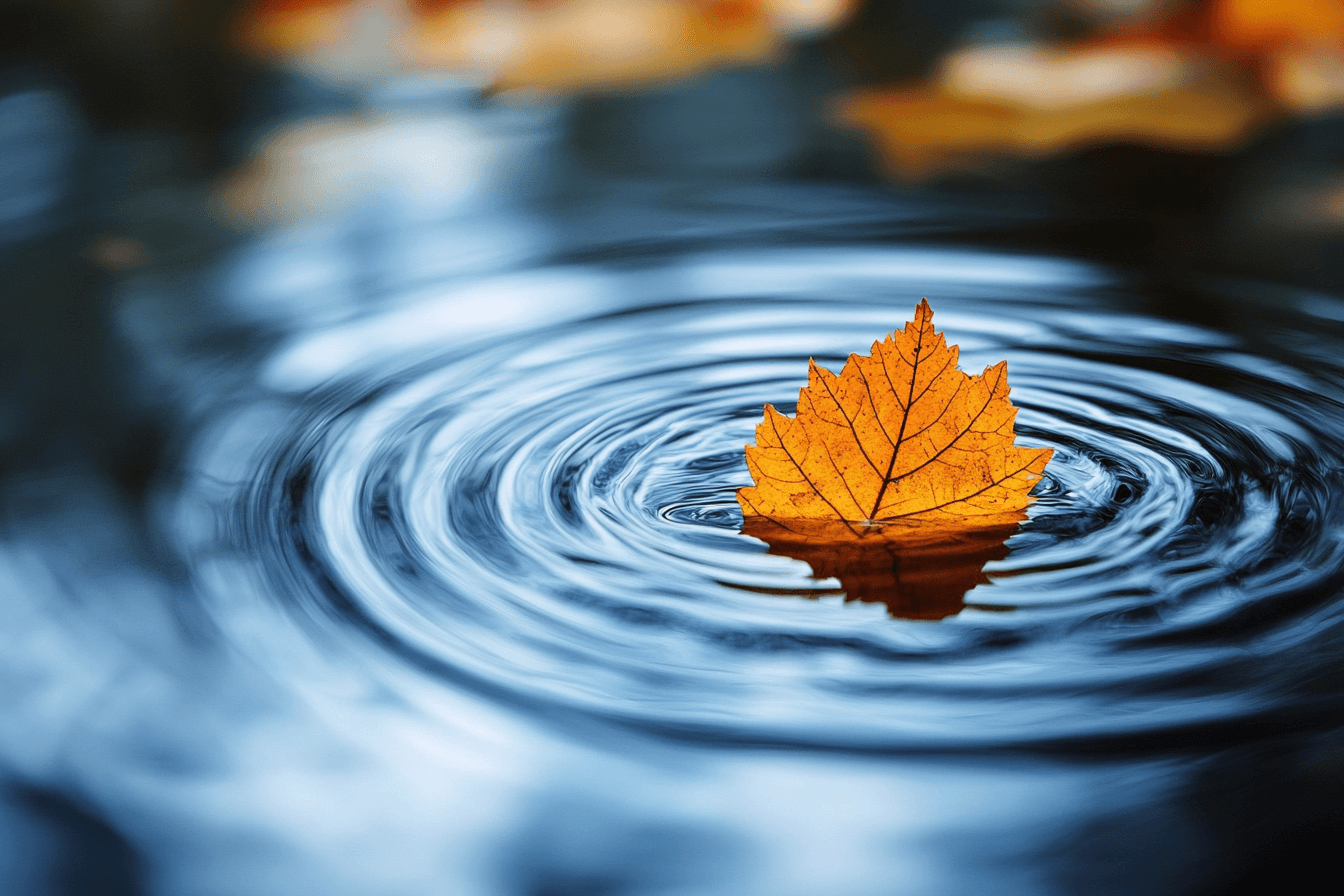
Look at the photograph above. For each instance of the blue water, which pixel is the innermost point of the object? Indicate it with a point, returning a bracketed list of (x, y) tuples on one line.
[(439, 584), (546, 516)]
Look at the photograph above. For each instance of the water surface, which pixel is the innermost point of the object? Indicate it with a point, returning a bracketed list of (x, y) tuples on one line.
[(443, 587), (546, 515)]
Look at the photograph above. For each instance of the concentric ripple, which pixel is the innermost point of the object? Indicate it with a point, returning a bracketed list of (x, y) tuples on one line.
[(548, 517)]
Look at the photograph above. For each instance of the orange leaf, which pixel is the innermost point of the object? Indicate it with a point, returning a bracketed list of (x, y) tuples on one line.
[(901, 434)]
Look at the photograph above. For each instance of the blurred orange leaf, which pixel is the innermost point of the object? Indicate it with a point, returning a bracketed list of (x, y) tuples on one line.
[(1255, 25), (568, 45), (900, 434), (922, 131), (279, 26)]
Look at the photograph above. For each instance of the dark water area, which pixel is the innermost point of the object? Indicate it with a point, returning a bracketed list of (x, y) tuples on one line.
[(395, 549)]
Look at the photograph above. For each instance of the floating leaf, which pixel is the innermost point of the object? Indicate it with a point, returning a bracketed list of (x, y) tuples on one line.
[(900, 434)]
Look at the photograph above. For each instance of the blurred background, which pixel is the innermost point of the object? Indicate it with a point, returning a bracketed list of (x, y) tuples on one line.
[(192, 192), (142, 138)]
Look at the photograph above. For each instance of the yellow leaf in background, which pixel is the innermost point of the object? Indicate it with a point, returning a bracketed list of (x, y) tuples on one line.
[(900, 434), (291, 26), (920, 132)]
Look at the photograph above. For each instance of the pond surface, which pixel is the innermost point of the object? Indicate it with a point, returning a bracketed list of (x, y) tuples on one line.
[(443, 586), (546, 516)]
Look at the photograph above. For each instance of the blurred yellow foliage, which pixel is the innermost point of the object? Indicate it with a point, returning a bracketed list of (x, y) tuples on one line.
[(1253, 26), (280, 26), (921, 131), (575, 44), (1205, 79), (556, 46)]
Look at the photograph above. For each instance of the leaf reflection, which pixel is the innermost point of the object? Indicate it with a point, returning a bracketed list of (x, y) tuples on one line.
[(918, 571)]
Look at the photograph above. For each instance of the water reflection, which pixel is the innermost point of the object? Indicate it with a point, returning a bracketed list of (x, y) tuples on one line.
[(918, 574)]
